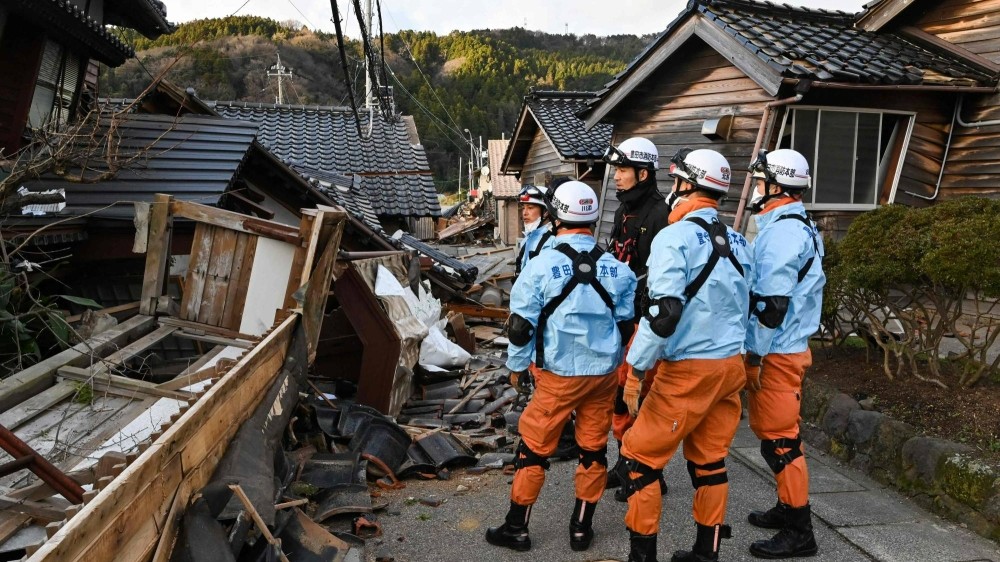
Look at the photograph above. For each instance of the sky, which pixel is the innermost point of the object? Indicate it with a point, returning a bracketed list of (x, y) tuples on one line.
[(579, 17)]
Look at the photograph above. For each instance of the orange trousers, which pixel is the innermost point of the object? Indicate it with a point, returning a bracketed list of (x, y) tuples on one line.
[(694, 401), (554, 400), (774, 414), (622, 420)]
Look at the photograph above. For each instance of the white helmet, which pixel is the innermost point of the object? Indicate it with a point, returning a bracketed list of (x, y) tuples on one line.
[(705, 169), (533, 195), (574, 203), (636, 152), (785, 167)]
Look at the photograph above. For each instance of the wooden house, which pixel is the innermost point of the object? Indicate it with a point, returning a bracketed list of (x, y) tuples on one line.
[(49, 53), (551, 140), (505, 188), (874, 100)]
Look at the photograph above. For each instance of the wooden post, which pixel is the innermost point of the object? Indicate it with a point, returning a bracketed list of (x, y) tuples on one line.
[(157, 253)]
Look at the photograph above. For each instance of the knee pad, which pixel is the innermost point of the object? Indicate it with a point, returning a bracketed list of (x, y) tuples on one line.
[(769, 450), (711, 479), (525, 457), (647, 475), (588, 458)]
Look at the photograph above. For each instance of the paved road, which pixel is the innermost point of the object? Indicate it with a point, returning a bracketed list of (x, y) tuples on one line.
[(856, 519)]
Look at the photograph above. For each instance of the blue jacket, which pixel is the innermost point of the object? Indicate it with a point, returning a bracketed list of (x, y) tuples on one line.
[(532, 240), (581, 336), (713, 324), (781, 249)]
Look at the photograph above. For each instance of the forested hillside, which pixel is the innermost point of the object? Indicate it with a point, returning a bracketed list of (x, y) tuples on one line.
[(471, 80)]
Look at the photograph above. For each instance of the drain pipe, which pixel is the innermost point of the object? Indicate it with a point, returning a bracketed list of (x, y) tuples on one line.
[(745, 196), (956, 116)]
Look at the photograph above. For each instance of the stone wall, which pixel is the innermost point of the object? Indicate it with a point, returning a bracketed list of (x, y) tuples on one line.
[(941, 475)]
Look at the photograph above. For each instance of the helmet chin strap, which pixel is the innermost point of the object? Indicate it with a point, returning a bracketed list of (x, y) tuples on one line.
[(758, 205), (677, 197)]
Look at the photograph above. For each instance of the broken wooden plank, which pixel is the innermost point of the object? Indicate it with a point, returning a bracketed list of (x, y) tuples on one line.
[(261, 526), (239, 278), (111, 310), (157, 253), (38, 377), (44, 511), (213, 301), (135, 348), (200, 329), (235, 221), (123, 522), (194, 281), (478, 311), (36, 405), (123, 386)]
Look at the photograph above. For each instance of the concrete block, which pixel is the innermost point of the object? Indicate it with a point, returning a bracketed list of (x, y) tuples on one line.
[(968, 480)]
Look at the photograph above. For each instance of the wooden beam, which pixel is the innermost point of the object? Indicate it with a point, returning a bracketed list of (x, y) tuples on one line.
[(124, 520), (157, 253), (36, 405), (38, 377), (198, 329), (878, 16), (478, 311), (44, 511), (235, 221), (135, 348), (112, 310), (936, 43), (122, 386), (196, 372), (218, 340)]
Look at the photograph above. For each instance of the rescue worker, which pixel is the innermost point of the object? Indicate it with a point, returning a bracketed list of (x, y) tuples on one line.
[(696, 324), (537, 228), (641, 215), (565, 310), (786, 298)]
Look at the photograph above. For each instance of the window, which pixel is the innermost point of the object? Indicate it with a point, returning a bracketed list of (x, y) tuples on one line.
[(854, 154), (58, 78)]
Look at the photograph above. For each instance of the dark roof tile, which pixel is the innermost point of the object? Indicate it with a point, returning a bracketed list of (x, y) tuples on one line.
[(557, 114)]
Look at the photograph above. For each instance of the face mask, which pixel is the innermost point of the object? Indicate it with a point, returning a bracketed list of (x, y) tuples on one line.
[(530, 227), (674, 199), (755, 201)]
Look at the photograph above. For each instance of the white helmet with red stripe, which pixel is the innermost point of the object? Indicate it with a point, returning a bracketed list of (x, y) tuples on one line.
[(703, 168), (574, 203)]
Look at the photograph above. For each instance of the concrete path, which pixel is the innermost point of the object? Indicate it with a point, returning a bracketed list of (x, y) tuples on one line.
[(855, 518)]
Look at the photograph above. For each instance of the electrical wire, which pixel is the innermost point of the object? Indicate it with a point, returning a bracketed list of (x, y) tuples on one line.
[(311, 24), (240, 8), (343, 61)]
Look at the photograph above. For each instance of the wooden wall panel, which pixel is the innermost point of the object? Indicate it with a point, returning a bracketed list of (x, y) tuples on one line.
[(669, 109), (542, 158), (971, 24), (975, 151)]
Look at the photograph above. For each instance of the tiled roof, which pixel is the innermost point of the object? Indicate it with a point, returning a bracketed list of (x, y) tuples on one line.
[(556, 112), (396, 176), (504, 185), (193, 158), (822, 45), (817, 45), (346, 191), (65, 18)]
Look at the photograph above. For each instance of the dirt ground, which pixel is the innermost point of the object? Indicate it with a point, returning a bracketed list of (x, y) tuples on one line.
[(970, 416)]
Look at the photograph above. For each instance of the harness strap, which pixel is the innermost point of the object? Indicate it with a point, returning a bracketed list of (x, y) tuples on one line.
[(541, 242), (719, 238), (588, 458), (708, 480), (587, 260), (805, 269)]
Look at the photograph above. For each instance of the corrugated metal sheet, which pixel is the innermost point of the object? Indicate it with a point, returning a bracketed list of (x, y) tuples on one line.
[(193, 158)]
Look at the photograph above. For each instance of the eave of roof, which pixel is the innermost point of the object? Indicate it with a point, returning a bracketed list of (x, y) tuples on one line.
[(79, 30)]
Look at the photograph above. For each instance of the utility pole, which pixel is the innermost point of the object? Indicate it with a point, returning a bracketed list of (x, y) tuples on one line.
[(369, 87), (459, 178), (281, 72)]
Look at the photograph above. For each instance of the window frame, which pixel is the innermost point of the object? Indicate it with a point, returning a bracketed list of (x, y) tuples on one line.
[(788, 120)]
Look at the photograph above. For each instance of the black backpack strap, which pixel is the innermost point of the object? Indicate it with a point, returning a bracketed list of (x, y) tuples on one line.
[(584, 271), (805, 268), (719, 237), (541, 242)]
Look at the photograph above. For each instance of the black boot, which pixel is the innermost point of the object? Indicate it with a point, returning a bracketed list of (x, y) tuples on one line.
[(581, 530), (642, 547), (513, 534), (793, 540), (614, 479), (773, 518), (706, 544), (620, 492)]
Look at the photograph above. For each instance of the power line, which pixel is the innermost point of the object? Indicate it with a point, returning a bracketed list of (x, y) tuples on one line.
[(301, 14), (243, 5)]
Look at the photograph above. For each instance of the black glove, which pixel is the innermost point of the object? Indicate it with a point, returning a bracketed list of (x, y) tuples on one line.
[(522, 381)]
